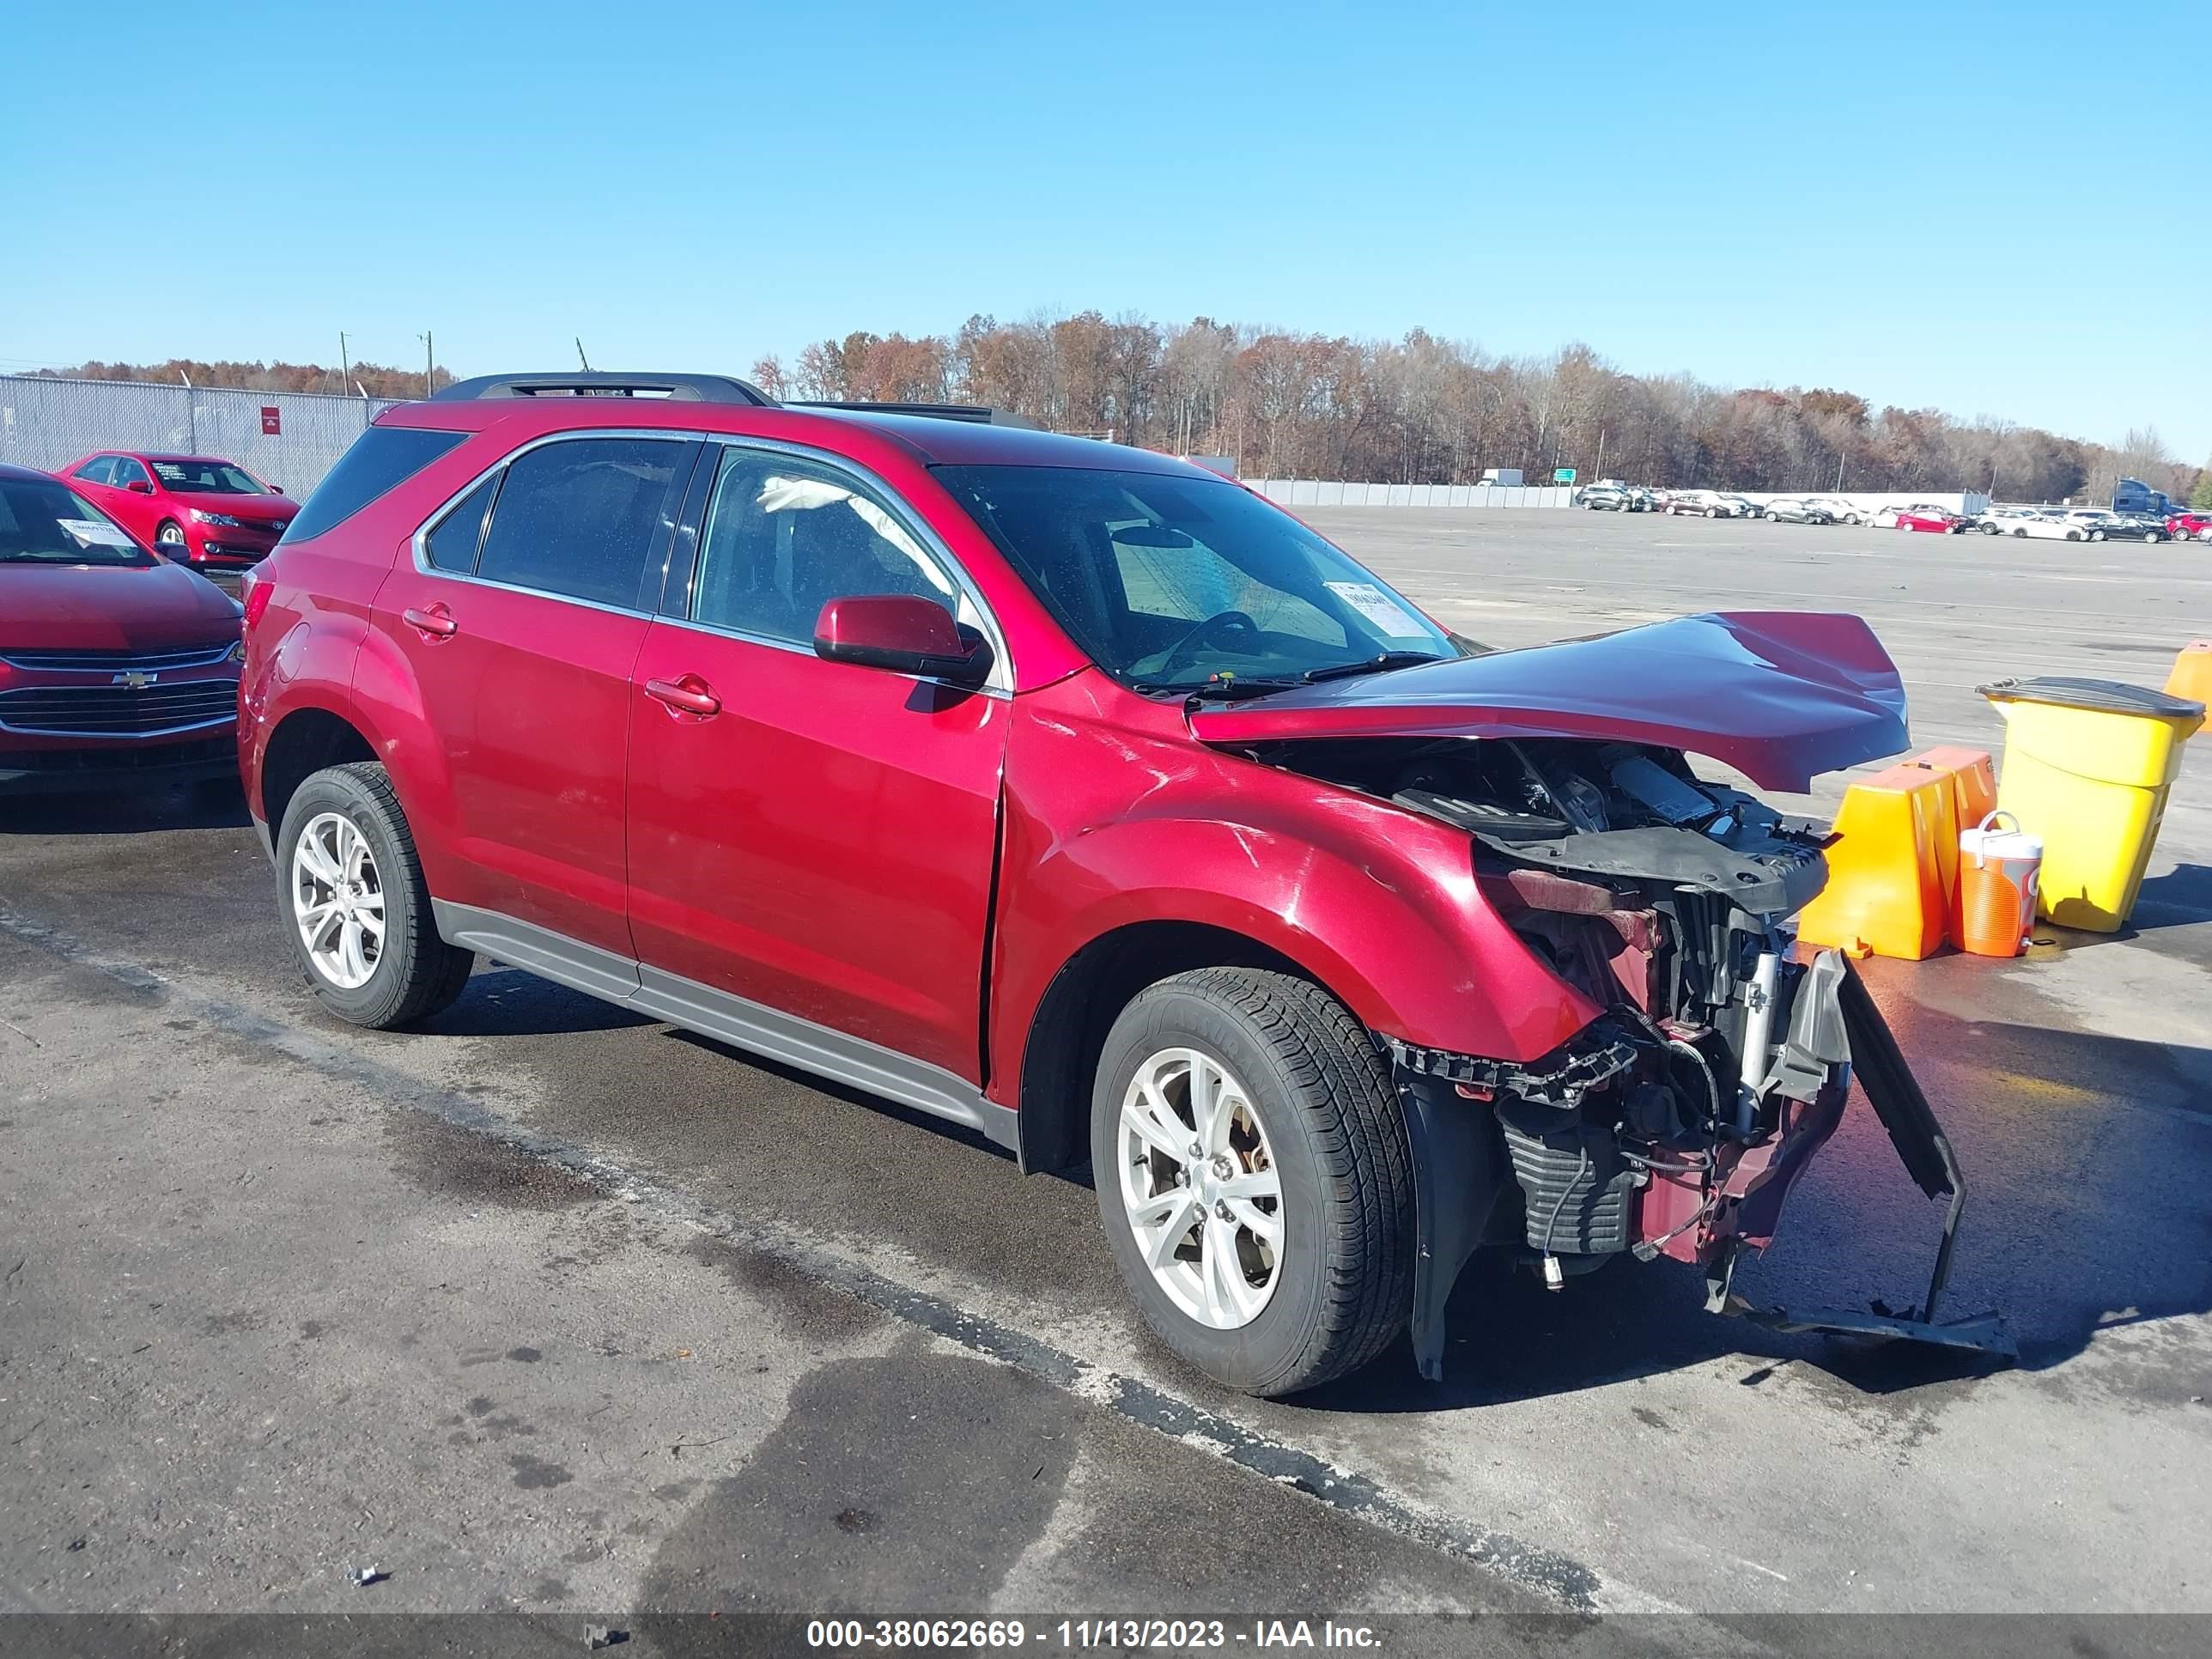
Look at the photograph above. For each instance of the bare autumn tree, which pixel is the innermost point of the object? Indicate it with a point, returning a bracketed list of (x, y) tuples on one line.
[(1417, 409)]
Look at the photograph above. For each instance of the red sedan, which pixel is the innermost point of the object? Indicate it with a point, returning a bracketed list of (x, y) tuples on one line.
[(196, 509), (2191, 525), (1935, 520)]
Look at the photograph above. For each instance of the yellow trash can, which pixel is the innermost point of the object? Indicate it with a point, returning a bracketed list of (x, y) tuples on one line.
[(2088, 764)]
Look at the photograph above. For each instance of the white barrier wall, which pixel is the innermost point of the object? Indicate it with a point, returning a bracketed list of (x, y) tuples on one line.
[(1321, 492)]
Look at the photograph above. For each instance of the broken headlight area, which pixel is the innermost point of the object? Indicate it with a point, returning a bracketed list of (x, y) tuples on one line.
[(1677, 1123)]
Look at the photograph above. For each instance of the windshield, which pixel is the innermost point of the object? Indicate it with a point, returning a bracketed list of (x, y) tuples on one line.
[(206, 478), (1175, 583), (44, 522)]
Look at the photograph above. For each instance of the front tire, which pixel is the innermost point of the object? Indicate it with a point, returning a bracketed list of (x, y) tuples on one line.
[(355, 905), (1253, 1178), (169, 540)]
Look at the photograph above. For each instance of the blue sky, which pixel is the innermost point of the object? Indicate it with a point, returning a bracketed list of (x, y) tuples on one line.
[(1989, 209)]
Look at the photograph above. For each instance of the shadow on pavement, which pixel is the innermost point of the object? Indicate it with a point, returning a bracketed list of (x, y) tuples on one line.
[(219, 804)]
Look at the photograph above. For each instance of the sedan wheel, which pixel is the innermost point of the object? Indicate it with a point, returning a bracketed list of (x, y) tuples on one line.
[(2155, 536), (2096, 535), (1199, 1185), (337, 901), (170, 539)]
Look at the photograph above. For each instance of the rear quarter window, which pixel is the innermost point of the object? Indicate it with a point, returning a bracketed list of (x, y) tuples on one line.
[(380, 459)]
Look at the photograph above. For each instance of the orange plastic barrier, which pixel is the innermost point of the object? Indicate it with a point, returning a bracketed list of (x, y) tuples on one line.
[(2192, 673), (1998, 869), (1971, 783), (1886, 895)]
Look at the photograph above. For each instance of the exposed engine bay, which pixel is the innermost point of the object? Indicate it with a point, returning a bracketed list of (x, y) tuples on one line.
[(1676, 1123)]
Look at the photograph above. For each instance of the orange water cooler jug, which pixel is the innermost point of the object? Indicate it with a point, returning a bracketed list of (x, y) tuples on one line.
[(1993, 911)]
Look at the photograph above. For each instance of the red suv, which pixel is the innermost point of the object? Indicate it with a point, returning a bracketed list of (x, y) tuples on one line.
[(197, 510), (1078, 795), (115, 667)]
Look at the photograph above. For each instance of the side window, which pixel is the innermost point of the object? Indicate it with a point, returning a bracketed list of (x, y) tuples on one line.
[(451, 545), (127, 471), (786, 536), (98, 472), (379, 460), (582, 517)]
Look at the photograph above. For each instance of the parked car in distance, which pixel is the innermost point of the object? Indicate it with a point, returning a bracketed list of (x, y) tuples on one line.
[(1606, 498), (1245, 883), (2192, 524), (2100, 526), (1792, 509), (1839, 512), (196, 509), (1933, 521), (116, 667), (1700, 503), (2045, 528), (1745, 507)]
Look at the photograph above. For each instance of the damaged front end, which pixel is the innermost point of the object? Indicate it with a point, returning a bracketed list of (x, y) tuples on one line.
[(1675, 1124)]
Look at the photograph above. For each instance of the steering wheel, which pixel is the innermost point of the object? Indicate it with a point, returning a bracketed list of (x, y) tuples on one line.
[(1225, 622)]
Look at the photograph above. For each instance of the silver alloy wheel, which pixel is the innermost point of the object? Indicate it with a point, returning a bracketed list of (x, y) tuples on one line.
[(1199, 1181), (338, 899), (169, 535)]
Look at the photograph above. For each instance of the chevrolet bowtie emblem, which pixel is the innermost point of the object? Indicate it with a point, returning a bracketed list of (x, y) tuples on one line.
[(134, 680)]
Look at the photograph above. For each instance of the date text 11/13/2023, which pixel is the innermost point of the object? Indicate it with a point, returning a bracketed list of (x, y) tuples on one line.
[(1120, 1634)]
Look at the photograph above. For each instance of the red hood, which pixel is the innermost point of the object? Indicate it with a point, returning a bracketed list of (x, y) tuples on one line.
[(1781, 695), (157, 607)]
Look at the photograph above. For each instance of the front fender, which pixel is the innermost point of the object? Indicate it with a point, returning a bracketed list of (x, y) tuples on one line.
[(1115, 817)]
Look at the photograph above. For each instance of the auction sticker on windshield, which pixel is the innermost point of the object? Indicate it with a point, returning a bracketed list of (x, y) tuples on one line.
[(88, 533), (1379, 608)]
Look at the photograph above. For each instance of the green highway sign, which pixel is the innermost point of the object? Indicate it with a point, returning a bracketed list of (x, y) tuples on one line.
[(1563, 475)]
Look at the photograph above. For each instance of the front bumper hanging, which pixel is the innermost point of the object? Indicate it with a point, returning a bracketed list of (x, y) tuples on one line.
[(1895, 1095)]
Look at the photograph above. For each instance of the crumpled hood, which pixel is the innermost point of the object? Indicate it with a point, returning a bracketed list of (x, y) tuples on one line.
[(67, 607), (1781, 695)]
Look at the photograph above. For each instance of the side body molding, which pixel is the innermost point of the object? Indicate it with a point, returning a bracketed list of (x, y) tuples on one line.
[(726, 1018)]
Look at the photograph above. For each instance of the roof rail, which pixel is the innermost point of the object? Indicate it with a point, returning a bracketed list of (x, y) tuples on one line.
[(982, 413), (676, 388)]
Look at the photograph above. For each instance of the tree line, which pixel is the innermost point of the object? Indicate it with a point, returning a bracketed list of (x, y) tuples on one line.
[(352, 380), (1423, 410)]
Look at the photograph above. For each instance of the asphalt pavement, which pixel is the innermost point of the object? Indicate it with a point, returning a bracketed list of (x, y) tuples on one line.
[(549, 1309)]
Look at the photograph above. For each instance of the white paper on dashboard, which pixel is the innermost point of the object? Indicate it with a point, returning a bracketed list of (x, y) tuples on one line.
[(1379, 608), (90, 532)]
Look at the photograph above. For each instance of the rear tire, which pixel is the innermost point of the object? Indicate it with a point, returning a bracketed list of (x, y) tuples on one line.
[(406, 972), (1312, 1092)]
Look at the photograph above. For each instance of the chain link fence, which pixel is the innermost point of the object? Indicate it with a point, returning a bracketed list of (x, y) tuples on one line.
[(290, 439)]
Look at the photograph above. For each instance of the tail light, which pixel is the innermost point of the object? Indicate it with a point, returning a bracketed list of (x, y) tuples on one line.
[(254, 591)]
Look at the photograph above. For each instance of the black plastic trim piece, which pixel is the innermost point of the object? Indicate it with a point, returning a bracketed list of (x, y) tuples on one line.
[(982, 414), (676, 388), (1583, 1061), (1457, 1179)]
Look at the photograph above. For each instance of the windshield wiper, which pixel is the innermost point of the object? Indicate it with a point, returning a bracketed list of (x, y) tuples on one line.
[(1231, 688), (1378, 665)]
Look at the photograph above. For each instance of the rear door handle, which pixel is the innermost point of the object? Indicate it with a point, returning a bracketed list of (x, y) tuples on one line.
[(688, 695), (436, 620)]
